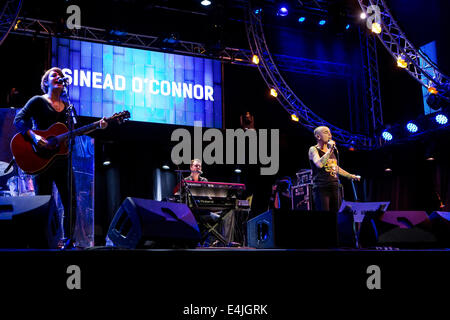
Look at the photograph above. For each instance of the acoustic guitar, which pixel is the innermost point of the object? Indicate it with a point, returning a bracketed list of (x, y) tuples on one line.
[(33, 159)]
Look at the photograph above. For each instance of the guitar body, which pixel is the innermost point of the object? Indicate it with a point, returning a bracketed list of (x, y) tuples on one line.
[(33, 160)]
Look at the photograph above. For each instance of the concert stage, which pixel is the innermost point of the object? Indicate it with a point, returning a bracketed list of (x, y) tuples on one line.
[(288, 282), (225, 159)]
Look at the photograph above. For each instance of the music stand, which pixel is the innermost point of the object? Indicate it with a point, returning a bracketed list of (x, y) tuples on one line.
[(359, 210)]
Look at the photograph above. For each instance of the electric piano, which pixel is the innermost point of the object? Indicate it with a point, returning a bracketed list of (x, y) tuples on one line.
[(213, 196)]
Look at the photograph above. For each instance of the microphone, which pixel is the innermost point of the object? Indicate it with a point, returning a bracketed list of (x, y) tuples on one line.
[(334, 146), (64, 80)]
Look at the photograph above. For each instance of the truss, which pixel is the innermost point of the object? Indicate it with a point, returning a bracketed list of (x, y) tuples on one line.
[(287, 98), (420, 65), (8, 17)]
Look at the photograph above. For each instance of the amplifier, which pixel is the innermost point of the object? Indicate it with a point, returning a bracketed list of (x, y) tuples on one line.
[(302, 197)]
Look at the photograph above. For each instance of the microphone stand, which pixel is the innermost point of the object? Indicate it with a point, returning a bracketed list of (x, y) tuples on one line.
[(71, 122)]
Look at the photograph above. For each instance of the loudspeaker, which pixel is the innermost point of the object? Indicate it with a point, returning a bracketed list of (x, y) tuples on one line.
[(149, 223), (440, 222), (293, 229), (29, 222), (402, 229)]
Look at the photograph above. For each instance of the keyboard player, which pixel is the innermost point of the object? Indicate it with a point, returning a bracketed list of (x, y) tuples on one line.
[(196, 171), (226, 218)]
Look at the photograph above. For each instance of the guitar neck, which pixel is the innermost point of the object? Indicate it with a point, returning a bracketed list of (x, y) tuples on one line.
[(79, 131)]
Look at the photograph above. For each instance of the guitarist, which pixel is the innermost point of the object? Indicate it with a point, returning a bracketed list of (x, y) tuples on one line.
[(39, 113)]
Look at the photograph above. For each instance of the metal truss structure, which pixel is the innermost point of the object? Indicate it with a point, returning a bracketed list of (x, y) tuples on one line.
[(8, 17), (419, 65), (371, 83), (285, 95), (44, 28)]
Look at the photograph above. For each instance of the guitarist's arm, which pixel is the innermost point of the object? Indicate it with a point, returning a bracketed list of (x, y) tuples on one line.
[(102, 124), (23, 122)]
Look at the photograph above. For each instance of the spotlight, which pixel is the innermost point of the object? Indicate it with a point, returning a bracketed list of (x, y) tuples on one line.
[(347, 27), (301, 19), (282, 11), (273, 92), (258, 11), (441, 119), (237, 170), (430, 159), (294, 117), (376, 28), (363, 15), (388, 170), (401, 62), (205, 3), (387, 135), (165, 167), (255, 59), (106, 163), (322, 22), (432, 90), (412, 127)]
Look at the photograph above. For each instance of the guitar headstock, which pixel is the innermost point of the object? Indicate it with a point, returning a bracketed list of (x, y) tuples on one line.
[(120, 117)]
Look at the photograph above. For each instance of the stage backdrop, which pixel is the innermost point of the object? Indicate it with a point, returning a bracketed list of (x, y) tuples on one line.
[(153, 86)]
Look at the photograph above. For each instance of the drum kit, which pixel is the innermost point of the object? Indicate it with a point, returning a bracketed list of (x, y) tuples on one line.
[(16, 185)]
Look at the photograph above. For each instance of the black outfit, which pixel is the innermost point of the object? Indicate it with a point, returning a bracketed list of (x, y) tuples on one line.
[(326, 184), (38, 114), (191, 178)]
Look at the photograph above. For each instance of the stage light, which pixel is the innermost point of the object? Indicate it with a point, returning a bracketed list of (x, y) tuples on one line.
[(106, 163), (363, 15), (165, 167), (401, 62), (387, 135), (388, 170), (347, 27), (17, 24), (283, 11), (237, 170), (322, 22), (205, 3), (430, 159), (301, 19), (376, 28), (273, 92), (441, 119), (432, 90), (255, 59), (412, 127), (294, 117), (258, 11)]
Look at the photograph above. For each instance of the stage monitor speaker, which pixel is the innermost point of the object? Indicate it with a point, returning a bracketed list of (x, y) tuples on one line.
[(140, 223), (29, 222), (440, 222), (401, 229), (293, 229)]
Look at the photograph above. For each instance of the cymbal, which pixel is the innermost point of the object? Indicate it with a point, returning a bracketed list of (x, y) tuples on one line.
[(3, 166)]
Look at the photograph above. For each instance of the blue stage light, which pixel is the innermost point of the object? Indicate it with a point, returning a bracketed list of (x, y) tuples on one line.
[(412, 127), (387, 135), (322, 22), (283, 11), (258, 11), (441, 119), (301, 19), (347, 27)]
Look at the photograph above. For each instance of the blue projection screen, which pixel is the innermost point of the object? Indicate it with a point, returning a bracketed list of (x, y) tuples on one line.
[(153, 86)]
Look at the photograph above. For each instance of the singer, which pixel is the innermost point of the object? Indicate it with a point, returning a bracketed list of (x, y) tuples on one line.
[(325, 171), (39, 113), (196, 171)]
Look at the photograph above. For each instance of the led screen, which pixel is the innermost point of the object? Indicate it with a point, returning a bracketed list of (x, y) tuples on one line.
[(153, 86)]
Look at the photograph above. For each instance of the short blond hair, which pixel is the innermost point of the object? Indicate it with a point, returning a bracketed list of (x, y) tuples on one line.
[(198, 160), (318, 129)]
